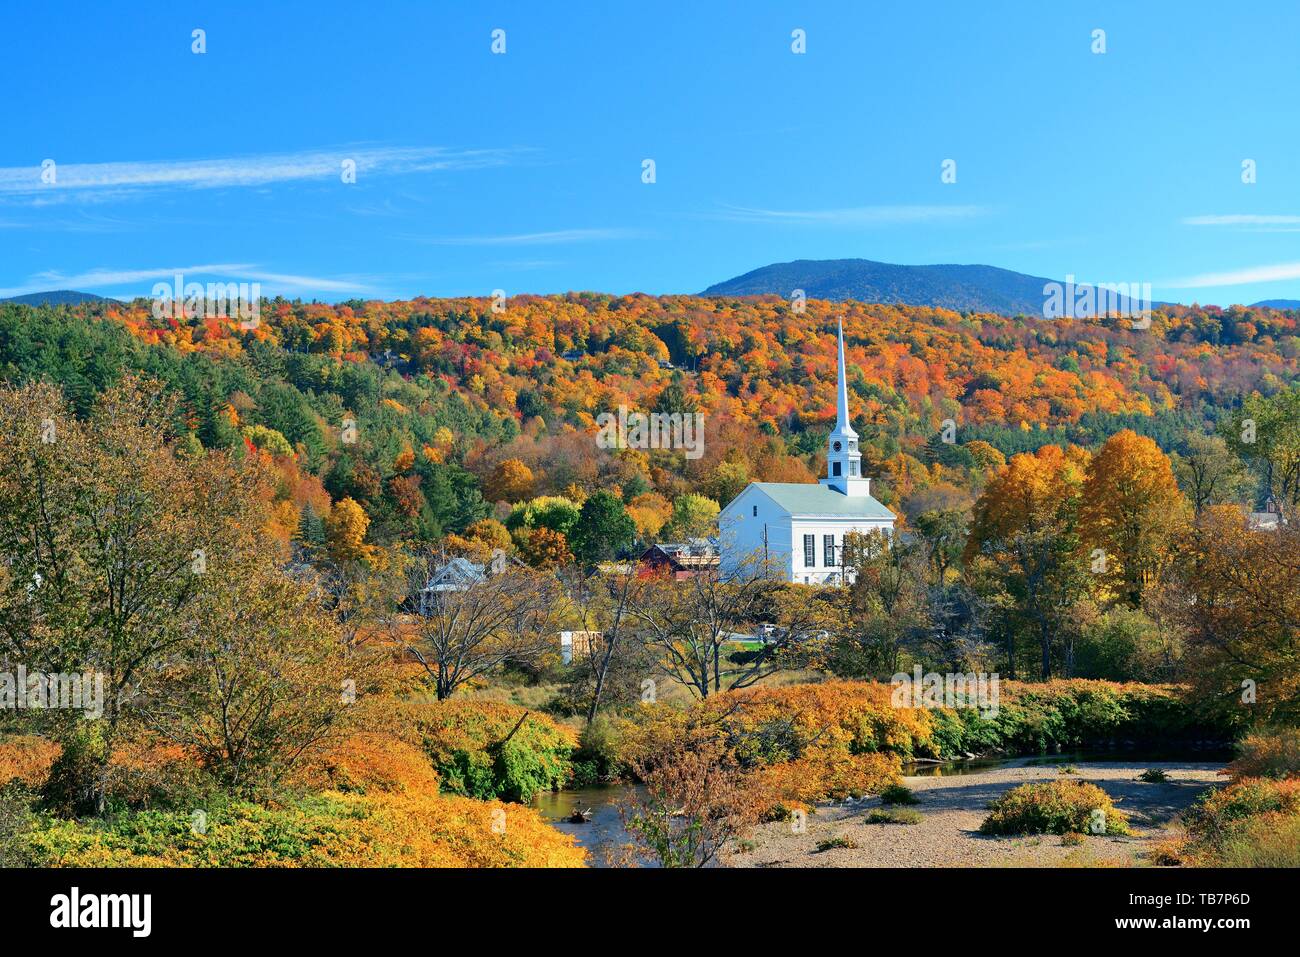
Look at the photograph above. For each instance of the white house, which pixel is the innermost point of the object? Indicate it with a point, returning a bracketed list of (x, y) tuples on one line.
[(799, 529)]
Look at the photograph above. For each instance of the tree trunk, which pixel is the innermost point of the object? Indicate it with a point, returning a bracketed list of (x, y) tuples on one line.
[(601, 671), (1045, 639)]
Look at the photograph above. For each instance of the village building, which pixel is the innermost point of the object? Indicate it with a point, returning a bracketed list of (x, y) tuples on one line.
[(681, 560), (797, 530)]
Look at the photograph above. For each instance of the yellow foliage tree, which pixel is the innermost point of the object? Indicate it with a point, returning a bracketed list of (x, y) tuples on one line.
[(1131, 509), (345, 531), (510, 481)]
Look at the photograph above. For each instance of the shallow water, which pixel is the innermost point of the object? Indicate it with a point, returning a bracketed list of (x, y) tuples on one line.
[(605, 829)]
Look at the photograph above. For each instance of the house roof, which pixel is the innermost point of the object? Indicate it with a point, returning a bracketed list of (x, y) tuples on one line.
[(458, 569), (694, 546), (695, 553), (803, 498)]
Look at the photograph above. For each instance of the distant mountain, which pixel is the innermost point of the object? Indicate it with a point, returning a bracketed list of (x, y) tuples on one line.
[(1279, 303), (58, 297), (961, 288)]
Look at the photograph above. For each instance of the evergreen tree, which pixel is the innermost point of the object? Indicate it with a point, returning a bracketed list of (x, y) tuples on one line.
[(604, 529)]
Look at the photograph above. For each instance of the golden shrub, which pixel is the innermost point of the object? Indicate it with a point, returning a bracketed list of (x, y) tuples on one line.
[(27, 758)]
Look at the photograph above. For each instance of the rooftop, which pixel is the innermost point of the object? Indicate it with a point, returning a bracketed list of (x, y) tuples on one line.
[(800, 498)]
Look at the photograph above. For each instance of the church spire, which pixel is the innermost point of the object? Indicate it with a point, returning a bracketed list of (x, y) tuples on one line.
[(843, 460), (842, 410)]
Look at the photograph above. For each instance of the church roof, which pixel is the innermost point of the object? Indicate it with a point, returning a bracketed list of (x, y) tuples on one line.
[(799, 498)]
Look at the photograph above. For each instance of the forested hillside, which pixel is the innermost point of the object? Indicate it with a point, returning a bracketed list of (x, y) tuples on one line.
[(457, 407)]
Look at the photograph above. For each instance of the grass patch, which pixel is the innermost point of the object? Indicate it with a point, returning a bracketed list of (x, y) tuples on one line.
[(1067, 769), (899, 794), (1270, 840), (1254, 822), (899, 816), (834, 843), (1054, 807)]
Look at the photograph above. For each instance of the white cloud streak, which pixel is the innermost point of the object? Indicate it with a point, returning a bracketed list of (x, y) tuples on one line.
[(1242, 219), (852, 216), (552, 238), (1236, 277), (110, 181), (106, 279)]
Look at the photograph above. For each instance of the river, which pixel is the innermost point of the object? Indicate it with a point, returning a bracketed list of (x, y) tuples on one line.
[(604, 832)]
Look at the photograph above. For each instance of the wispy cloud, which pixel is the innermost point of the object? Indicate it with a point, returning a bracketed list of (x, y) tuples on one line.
[(1241, 219), (108, 181), (851, 216), (1236, 277), (553, 238), (115, 279), (84, 222), (524, 265)]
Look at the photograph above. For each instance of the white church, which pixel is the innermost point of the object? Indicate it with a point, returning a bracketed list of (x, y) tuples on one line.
[(798, 529)]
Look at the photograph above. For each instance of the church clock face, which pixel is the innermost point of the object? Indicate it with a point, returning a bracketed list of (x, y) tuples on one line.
[(836, 446)]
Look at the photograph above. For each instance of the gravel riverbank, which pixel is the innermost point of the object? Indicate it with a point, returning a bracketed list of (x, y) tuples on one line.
[(953, 806)]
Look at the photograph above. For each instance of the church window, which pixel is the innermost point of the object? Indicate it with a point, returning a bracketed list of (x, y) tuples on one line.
[(828, 550), (756, 511), (835, 468), (809, 550), (853, 468)]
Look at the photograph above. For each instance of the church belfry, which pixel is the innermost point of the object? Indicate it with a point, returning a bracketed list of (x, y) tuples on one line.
[(843, 459)]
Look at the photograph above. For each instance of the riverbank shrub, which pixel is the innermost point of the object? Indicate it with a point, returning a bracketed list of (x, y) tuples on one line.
[(371, 800), (1269, 840), (1253, 822), (332, 829), (1035, 718), (490, 750), (775, 724), (1269, 753), (893, 816), (1054, 807), (899, 794), (596, 759)]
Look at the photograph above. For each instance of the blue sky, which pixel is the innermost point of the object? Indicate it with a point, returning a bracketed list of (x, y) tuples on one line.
[(523, 171)]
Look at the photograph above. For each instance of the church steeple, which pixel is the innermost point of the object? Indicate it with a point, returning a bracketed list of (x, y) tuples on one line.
[(843, 460)]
